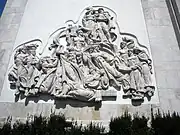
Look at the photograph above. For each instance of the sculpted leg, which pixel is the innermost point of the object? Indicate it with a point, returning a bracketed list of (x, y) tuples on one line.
[(98, 96)]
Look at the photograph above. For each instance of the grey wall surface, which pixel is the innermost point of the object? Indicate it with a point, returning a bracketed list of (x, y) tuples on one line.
[(178, 4), (165, 53)]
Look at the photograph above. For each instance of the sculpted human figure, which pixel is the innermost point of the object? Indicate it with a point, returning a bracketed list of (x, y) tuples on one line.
[(83, 94), (74, 44), (68, 83), (48, 68), (110, 71), (19, 71), (89, 20), (146, 70), (76, 50), (124, 78), (62, 89), (110, 20), (25, 73), (59, 86), (136, 82), (70, 70), (80, 40), (97, 80), (92, 80), (70, 34), (33, 73), (122, 63), (123, 53), (65, 87), (129, 42), (103, 21), (95, 36)]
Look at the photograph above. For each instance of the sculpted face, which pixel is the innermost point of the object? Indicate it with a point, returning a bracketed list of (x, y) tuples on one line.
[(18, 62), (80, 32), (107, 14), (122, 45), (101, 59), (136, 51), (130, 52), (69, 25), (101, 10), (33, 52)]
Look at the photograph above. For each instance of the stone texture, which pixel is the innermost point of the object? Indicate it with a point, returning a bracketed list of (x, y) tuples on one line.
[(161, 32), (17, 18), (165, 53), (154, 4), (148, 13), (161, 13), (9, 25), (159, 22)]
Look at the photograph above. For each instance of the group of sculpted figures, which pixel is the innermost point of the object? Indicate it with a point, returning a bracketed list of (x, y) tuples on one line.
[(89, 62)]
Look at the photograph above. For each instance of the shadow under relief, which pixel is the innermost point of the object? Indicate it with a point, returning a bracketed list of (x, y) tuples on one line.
[(60, 102)]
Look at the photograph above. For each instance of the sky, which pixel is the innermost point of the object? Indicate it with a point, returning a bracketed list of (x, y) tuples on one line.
[(2, 4)]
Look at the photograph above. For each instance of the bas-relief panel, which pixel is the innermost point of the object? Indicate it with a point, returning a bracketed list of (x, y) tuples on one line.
[(90, 60)]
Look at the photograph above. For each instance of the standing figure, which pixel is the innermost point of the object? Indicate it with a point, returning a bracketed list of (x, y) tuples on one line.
[(48, 68), (80, 40), (136, 82), (79, 44), (18, 74), (24, 74), (123, 53), (103, 21), (89, 20), (146, 71), (70, 34)]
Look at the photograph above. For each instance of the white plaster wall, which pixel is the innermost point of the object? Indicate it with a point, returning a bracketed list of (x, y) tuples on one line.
[(42, 17)]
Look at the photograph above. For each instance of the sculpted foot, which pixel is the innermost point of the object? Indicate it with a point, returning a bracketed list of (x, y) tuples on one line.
[(98, 99), (26, 93), (128, 94), (17, 93), (150, 93)]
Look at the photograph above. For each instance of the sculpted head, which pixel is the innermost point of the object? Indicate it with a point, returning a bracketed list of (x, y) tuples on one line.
[(21, 50), (137, 50), (101, 59), (107, 14), (130, 52), (69, 24), (44, 59), (32, 48), (92, 70), (89, 10), (101, 10), (123, 45), (80, 32), (130, 43)]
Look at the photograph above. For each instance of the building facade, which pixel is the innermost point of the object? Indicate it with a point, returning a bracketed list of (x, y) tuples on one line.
[(160, 25)]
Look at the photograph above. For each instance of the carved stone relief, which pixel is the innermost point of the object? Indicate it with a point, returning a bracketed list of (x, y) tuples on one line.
[(85, 59)]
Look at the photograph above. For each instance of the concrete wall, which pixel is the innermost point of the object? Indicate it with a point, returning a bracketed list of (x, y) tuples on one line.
[(165, 53), (178, 4)]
